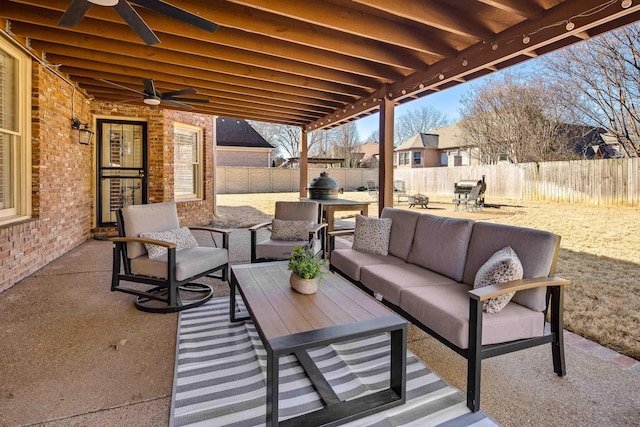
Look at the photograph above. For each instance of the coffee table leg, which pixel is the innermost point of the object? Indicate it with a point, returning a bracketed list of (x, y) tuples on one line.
[(273, 373), (233, 314), (398, 380)]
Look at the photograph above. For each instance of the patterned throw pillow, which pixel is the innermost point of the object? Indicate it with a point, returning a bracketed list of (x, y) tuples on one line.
[(290, 230), (182, 237), (372, 235), (503, 266)]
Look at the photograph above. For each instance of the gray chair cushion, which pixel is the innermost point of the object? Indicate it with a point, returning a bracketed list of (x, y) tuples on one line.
[(349, 261), (146, 218), (281, 249), (403, 227), (535, 248), (440, 245), (189, 262), (426, 304), (305, 210), (389, 280)]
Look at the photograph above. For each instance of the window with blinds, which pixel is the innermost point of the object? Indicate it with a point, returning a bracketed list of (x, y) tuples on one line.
[(15, 104), (187, 161)]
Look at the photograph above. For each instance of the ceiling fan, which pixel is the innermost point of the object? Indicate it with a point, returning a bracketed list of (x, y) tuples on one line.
[(79, 8), (153, 97)]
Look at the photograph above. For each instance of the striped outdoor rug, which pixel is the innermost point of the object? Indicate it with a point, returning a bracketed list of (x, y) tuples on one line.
[(220, 377)]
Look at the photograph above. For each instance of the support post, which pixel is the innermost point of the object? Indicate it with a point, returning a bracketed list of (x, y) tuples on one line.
[(304, 163), (385, 170)]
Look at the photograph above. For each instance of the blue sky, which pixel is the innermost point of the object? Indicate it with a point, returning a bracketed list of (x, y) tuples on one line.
[(447, 101)]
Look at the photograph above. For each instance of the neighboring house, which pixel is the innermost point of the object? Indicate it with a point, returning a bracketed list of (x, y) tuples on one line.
[(368, 154), (238, 144), (441, 147)]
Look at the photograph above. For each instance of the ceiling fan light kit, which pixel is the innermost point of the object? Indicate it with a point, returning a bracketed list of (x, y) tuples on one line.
[(104, 2), (152, 101)]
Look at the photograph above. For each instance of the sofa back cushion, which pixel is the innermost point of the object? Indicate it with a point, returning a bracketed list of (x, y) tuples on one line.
[(403, 228), (440, 244), (535, 248)]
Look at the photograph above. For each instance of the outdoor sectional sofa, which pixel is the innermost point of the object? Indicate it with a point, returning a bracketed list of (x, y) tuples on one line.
[(428, 277)]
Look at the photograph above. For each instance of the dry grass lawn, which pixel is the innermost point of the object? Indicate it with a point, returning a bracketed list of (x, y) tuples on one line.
[(600, 254)]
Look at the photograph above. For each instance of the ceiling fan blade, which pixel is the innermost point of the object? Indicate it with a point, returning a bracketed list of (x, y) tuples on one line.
[(74, 13), (176, 104), (120, 86), (177, 98), (149, 87), (177, 13), (190, 91), (136, 23)]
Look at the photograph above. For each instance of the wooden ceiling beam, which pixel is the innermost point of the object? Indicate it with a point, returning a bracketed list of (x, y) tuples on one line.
[(356, 23), (436, 15), (523, 8), (143, 68), (229, 37), (322, 79), (270, 26)]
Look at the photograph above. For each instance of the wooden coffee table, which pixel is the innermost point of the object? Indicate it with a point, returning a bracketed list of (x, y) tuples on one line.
[(291, 323)]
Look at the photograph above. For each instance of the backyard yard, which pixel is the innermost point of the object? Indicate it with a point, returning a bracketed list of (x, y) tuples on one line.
[(600, 254)]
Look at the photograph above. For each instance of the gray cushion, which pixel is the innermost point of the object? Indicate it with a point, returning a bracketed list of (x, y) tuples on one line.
[(440, 245), (349, 261), (281, 249), (535, 248), (371, 235), (306, 210), (182, 237), (503, 266), (445, 309), (145, 218), (403, 228), (389, 280), (189, 262)]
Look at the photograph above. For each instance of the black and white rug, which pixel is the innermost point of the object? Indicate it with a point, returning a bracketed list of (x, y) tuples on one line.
[(220, 377)]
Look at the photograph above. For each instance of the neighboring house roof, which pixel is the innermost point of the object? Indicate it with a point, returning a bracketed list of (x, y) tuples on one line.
[(238, 133), (369, 150), (419, 140), (449, 137)]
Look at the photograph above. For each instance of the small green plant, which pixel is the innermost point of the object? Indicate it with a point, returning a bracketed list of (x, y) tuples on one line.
[(303, 263)]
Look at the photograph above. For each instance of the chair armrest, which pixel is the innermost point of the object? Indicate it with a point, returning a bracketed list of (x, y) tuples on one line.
[(318, 227), (492, 291), (167, 245), (259, 226), (213, 230), (345, 232)]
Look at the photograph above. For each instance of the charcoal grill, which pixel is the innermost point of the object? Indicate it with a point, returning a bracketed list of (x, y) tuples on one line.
[(323, 187), (464, 187)]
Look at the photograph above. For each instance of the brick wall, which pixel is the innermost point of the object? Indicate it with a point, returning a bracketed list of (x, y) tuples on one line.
[(62, 177)]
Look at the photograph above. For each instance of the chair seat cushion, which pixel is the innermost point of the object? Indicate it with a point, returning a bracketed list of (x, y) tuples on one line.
[(445, 309), (349, 261), (190, 262), (281, 249), (389, 280)]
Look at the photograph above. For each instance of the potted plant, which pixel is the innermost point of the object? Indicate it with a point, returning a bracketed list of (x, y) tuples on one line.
[(306, 269)]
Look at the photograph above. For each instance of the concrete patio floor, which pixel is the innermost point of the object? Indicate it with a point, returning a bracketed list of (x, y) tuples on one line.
[(75, 354)]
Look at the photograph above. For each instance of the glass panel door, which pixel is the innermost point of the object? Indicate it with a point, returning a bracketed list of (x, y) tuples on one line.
[(122, 167)]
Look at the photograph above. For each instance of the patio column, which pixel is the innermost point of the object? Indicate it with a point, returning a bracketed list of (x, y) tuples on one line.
[(385, 153), (304, 164)]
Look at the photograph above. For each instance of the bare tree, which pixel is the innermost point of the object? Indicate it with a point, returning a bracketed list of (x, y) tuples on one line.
[(515, 118), (346, 140), (285, 138), (420, 120), (600, 78)]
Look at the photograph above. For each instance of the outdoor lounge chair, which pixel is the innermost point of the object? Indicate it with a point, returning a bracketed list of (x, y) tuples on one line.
[(164, 259), (400, 192), (288, 231), (372, 188), (472, 202)]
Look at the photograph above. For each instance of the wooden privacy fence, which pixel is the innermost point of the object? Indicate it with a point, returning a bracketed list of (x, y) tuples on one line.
[(611, 182)]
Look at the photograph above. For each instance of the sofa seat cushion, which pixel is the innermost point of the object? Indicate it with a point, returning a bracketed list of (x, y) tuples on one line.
[(349, 261), (389, 280), (189, 262), (281, 249), (445, 309)]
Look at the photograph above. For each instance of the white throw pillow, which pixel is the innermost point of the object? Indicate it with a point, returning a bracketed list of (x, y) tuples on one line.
[(503, 266), (290, 230), (372, 235), (182, 237)]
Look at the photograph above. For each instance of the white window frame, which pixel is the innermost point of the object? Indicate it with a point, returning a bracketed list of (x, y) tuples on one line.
[(198, 166), (20, 148)]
